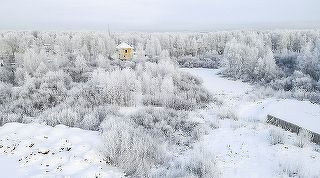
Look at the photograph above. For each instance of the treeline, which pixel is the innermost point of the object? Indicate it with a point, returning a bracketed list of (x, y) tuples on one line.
[(288, 62)]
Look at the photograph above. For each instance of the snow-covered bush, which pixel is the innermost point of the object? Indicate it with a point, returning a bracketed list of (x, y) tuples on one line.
[(291, 169), (304, 138), (166, 124), (197, 162), (79, 72), (61, 115), (294, 167), (12, 117), (205, 61), (119, 87), (237, 124), (224, 112), (5, 92), (141, 144), (276, 136), (202, 164), (6, 75), (39, 94), (76, 115), (190, 94), (130, 148)]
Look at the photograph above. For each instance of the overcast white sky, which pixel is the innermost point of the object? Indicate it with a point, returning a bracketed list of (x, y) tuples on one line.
[(157, 15)]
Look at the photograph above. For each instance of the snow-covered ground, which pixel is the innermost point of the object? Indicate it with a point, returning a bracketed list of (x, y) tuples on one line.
[(218, 85), (302, 113), (241, 144), (35, 150), (242, 147)]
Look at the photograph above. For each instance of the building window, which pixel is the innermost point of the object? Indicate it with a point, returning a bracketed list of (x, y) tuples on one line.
[(125, 51)]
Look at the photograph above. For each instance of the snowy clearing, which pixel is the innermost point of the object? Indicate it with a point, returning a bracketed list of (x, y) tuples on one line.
[(218, 85), (302, 113), (35, 150), (242, 147)]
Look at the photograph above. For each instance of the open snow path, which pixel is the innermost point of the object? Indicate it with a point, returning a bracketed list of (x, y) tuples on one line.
[(218, 85)]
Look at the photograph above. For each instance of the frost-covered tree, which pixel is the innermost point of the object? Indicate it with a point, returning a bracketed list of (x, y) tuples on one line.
[(266, 68), (31, 61), (153, 47), (12, 41)]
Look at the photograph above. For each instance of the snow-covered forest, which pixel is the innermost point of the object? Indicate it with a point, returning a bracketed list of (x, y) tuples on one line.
[(284, 60), (147, 109)]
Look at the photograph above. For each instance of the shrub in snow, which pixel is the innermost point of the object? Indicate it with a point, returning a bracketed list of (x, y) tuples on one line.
[(294, 167), (130, 148), (53, 88), (316, 148), (92, 118), (141, 144), (202, 164), (226, 113), (197, 162), (79, 72), (90, 122), (166, 124), (276, 136), (304, 138), (190, 94), (203, 129), (214, 123), (11, 117), (291, 169), (6, 75), (236, 124), (122, 64), (5, 92), (19, 76), (203, 61), (80, 116), (39, 94), (67, 117)]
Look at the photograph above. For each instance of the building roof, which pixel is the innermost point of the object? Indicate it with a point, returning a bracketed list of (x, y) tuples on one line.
[(124, 46)]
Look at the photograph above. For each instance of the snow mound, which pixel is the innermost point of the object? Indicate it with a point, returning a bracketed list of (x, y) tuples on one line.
[(35, 150)]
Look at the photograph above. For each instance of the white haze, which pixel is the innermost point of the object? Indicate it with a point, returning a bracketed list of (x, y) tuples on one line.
[(157, 15)]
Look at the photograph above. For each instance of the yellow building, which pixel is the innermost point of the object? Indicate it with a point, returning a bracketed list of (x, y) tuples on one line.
[(125, 51)]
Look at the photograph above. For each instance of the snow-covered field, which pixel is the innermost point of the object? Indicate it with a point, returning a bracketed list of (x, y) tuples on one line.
[(241, 143), (242, 147), (302, 113), (35, 150), (218, 85)]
